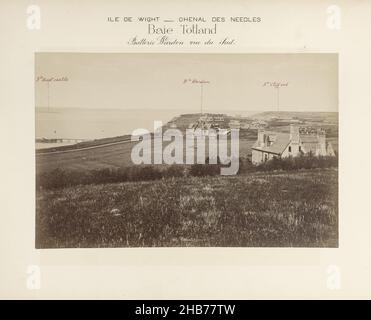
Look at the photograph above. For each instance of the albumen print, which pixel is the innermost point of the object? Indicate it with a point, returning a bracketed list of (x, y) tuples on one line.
[(186, 150)]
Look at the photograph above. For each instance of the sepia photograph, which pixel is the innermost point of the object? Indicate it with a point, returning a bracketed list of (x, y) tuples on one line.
[(186, 150), (185, 157)]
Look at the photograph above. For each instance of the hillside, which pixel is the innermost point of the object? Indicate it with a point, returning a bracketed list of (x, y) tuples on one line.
[(261, 209), (183, 121), (115, 155), (331, 117)]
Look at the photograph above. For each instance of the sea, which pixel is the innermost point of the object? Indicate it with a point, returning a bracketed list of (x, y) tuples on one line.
[(89, 124)]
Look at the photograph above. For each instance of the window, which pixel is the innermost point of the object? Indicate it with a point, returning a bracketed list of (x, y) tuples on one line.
[(265, 157), (289, 148), (299, 148)]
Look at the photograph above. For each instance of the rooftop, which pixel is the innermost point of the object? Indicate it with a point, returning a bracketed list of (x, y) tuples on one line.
[(279, 142)]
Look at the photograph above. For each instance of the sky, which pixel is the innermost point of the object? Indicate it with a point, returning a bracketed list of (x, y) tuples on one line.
[(156, 81)]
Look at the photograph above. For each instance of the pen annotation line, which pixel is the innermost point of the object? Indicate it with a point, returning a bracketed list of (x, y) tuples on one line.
[(168, 20)]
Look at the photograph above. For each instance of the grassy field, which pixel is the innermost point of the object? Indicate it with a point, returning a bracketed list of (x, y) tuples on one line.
[(111, 156), (274, 209)]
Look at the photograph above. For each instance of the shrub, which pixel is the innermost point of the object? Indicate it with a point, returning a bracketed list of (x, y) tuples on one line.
[(60, 178), (297, 163), (201, 170), (174, 171)]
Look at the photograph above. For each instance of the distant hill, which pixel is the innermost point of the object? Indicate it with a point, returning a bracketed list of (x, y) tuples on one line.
[(304, 116), (183, 121)]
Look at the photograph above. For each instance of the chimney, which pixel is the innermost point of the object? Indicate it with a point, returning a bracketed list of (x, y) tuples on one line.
[(321, 137), (261, 138), (294, 133)]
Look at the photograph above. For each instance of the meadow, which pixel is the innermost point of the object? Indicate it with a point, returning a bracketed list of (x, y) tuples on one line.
[(107, 156), (296, 208)]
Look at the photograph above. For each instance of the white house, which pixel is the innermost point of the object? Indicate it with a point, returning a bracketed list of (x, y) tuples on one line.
[(276, 144)]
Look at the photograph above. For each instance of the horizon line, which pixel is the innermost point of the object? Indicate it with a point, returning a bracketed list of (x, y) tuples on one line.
[(180, 110)]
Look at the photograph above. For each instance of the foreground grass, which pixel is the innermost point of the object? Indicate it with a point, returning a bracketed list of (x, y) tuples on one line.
[(272, 209)]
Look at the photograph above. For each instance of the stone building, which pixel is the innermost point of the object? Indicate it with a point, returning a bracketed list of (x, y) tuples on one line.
[(282, 145)]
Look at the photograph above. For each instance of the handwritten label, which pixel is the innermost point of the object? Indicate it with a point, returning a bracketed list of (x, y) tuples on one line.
[(195, 81), (51, 79), (275, 84)]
